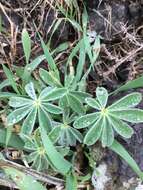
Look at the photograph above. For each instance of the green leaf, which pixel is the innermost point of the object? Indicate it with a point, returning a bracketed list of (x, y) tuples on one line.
[(17, 102), (7, 95), (44, 119), (80, 95), (121, 127), (4, 84), (94, 133), (11, 78), (28, 124), (73, 53), (88, 47), (86, 120), (81, 62), (52, 108), (14, 140), (93, 103), (26, 42), (8, 134), (1, 27), (62, 165), (102, 96), (23, 181), (137, 83), (53, 94), (71, 182), (54, 134), (48, 56), (50, 78), (84, 19), (130, 115), (63, 102), (128, 101), (75, 104), (107, 133), (57, 22), (75, 24), (31, 67), (29, 88), (18, 115), (62, 47), (121, 151), (76, 134)]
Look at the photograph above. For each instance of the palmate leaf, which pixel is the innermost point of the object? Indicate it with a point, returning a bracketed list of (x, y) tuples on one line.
[(35, 107), (112, 117), (128, 101), (69, 136), (94, 132), (66, 135), (86, 120)]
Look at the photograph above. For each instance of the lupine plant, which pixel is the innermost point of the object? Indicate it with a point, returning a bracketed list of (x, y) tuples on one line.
[(106, 119), (56, 113)]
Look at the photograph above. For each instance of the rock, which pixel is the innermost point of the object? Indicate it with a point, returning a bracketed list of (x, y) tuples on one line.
[(106, 17), (100, 177)]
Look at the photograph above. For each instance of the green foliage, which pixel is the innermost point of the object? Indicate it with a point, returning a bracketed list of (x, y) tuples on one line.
[(32, 107), (106, 119), (55, 113), (26, 42), (67, 135), (71, 182)]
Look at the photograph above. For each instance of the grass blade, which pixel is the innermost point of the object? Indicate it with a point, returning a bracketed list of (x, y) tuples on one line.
[(121, 151), (11, 78)]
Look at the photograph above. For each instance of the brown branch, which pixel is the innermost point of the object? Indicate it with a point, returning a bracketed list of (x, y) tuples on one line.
[(130, 56), (37, 175)]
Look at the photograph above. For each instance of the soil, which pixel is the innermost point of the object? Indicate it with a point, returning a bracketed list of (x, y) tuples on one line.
[(120, 24)]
